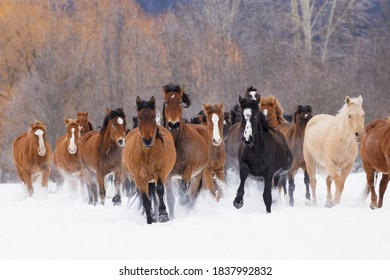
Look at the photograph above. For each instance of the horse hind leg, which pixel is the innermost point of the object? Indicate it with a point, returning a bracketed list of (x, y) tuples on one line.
[(306, 180), (162, 210), (382, 188), (210, 184), (311, 171), (170, 198), (371, 178)]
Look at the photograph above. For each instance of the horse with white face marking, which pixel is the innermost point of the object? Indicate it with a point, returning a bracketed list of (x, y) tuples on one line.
[(67, 155), (32, 156), (332, 142), (215, 168), (262, 153), (101, 154)]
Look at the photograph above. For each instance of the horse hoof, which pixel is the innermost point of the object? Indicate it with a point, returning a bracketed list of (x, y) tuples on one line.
[(238, 205), (117, 200), (329, 205), (291, 203), (184, 200), (163, 218), (149, 221)]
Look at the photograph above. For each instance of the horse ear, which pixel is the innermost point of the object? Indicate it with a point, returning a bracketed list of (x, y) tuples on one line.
[(360, 99), (258, 98), (138, 101), (273, 100), (220, 106), (66, 121), (347, 100), (206, 107), (108, 111), (152, 100), (239, 98)]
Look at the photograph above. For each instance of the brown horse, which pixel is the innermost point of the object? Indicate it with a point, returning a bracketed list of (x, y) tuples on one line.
[(192, 141), (149, 156), (32, 155), (101, 154), (86, 126), (272, 110), (216, 165), (67, 155), (294, 134), (375, 151)]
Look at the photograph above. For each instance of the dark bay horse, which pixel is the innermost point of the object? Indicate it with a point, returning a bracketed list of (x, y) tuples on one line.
[(32, 155), (262, 153), (66, 153), (375, 154), (215, 168), (294, 134), (149, 155), (85, 124), (192, 141), (101, 154)]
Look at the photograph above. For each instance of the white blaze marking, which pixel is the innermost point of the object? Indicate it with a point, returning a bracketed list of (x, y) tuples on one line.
[(72, 146), (216, 136), (120, 120), (265, 112), (41, 148), (253, 94), (306, 116), (248, 126)]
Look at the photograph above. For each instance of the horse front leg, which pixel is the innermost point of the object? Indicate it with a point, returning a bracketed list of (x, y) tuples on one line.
[(27, 178), (117, 200), (306, 180), (102, 188), (382, 188), (291, 189), (238, 202), (311, 171), (329, 181), (170, 198), (209, 183), (162, 210), (147, 207), (183, 186), (340, 181), (267, 193), (370, 175)]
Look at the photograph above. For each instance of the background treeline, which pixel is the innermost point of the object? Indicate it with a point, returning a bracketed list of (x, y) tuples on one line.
[(63, 56)]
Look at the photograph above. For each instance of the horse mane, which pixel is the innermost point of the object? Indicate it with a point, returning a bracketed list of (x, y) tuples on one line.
[(251, 88), (199, 119), (118, 112), (272, 100), (235, 114)]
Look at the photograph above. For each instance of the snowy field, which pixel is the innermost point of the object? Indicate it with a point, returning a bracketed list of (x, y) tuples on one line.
[(57, 227)]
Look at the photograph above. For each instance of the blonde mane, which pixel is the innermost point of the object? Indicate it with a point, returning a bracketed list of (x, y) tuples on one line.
[(273, 102)]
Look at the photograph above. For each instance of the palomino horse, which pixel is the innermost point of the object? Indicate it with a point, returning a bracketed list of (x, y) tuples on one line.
[(149, 156), (375, 151), (192, 141), (272, 110), (294, 134), (32, 155), (331, 141), (66, 154), (86, 126), (101, 154), (216, 165), (263, 152)]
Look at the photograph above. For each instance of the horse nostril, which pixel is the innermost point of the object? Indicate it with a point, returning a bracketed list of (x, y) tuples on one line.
[(356, 134)]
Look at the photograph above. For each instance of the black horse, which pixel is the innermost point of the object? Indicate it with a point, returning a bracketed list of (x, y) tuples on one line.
[(263, 151)]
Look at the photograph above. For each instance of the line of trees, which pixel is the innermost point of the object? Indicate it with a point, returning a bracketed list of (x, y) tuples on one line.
[(60, 57)]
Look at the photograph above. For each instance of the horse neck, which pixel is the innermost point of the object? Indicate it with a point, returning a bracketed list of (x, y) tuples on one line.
[(273, 121), (106, 143)]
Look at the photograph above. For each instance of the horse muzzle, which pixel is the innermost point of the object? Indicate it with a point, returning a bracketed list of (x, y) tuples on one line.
[(41, 152), (72, 150), (121, 142), (148, 143), (217, 142), (173, 126), (249, 142), (358, 137)]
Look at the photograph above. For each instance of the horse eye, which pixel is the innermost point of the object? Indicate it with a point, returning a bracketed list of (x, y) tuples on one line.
[(113, 125)]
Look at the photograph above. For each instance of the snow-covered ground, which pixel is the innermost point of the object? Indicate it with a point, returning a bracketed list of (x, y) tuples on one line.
[(56, 226)]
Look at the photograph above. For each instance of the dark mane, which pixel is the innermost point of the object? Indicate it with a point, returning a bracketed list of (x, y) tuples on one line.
[(118, 112), (251, 88), (171, 88), (146, 104)]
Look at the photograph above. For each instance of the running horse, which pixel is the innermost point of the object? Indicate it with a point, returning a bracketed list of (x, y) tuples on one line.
[(192, 142), (32, 156), (262, 153), (101, 154), (85, 124), (375, 154), (149, 155), (332, 142), (273, 111), (215, 168), (66, 153), (294, 134)]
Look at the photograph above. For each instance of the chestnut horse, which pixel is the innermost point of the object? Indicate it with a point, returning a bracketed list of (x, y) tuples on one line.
[(294, 134), (375, 152), (216, 165), (32, 155), (149, 155), (66, 153), (101, 154), (272, 110), (192, 141), (86, 126), (332, 142)]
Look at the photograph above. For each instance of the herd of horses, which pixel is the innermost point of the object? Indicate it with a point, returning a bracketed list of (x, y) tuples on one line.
[(254, 138)]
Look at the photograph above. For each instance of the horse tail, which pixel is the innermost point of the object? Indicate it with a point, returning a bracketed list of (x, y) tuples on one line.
[(133, 194)]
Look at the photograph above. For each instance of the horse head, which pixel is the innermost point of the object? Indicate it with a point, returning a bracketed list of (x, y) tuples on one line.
[(250, 120), (174, 99), (272, 110), (115, 125), (147, 124), (355, 112), (85, 125), (215, 118), (251, 93), (303, 114), (73, 129), (37, 135)]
